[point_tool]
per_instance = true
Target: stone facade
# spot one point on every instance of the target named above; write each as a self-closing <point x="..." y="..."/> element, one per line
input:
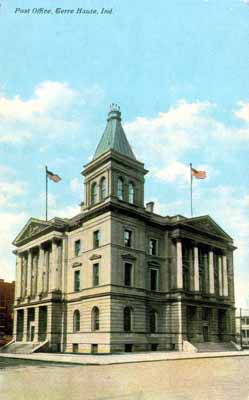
<point x="118" y="277"/>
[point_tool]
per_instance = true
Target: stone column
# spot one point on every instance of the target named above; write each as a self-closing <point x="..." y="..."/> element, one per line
<point x="18" y="283"/>
<point x="206" y="274"/>
<point x="59" y="265"/>
<point x="220" y="276"/>
<point x="14" y="332"/>
<point x="53" y="267"/>
<point x="40" y="270"/>
<point x="25" y="324"/>
<point x="179" y="267"/>
<point x="29" y="267"/>
<point x="211" y="272"/>
<point x="196" y="270"/>
<point x="191" y="269"/>
<point x="225" y="280"/>
<point x="36" y="324"/>
<point x="64" y="264"/>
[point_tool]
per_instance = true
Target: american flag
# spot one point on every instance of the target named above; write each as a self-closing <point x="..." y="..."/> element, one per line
<point x="53" y="177"/>
<point x="198" y="174"/>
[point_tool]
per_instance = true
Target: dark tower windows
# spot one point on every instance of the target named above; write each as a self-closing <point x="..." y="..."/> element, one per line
<point x="120" y="189"/>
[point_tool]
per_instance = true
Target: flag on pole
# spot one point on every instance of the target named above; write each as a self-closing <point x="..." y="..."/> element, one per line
<point x="53" y="177"/>
<point x="198" y="174"/>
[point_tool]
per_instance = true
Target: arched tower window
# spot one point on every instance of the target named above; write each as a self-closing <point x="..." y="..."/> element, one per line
<point x="153" y="321"/>
<point x="94" y="194"/>
<point x="76" y="321"/>
<point x="95" y="319"/>
<point x="127" y="319"/>
<point x="131" y="193"/>
<point x="103" y="190"/>
<point x="120" y="191"/>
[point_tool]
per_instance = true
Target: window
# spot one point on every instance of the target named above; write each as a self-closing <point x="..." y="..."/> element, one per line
<point x="127" y="319"/>
<point x="94" y="194"/>
<point x="96" y="239"/>
<point x="75" y="348"/>
<point x="128" y="274"/>
<point x="120" y="191"/>
<point x="77" y="247"/>
<point x="95" y="319"/>
<point x="76" y="281"/>
<point x="103" y="188"/>
<point x="131" y="193"/>
<point x="95" y="274"/>
<point x="153" y="247"/>
<point x="153" y="321"/>
<point x="76" y="321"/>
<point x="154" y="346"/>
<point x="94" y="348"/>
<point x="205" y="314"/>
<point x="153" y="279"/>
<point x="128" y="347"/>
<point x="127" y="237"/>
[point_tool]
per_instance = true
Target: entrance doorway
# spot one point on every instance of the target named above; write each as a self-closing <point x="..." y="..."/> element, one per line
<point x="205" y="333"/>
<point x="32" y="332"/>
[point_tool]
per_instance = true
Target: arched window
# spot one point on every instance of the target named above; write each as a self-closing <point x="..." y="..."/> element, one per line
<point x="120" y="191"/>
<point x="94" y="193"/>
<point x="153" y="321"/>
<point x="76" y="321"/>
<point x="131" y="193"/>
<point x="103" y="188"/>
<point x="95" y="319"/>
<point x="127" y="319"/>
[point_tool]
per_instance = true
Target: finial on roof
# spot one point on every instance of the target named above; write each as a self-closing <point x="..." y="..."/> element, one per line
<point x="114" y="112"/>
<point x="114" y="107"/>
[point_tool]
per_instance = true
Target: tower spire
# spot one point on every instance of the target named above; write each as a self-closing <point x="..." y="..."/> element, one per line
<point x="114" y="137"/>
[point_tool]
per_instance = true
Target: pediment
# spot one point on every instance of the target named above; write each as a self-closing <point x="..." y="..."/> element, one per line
<point x="31" y="229"/>
<point x="129" y="256"/>
<point x="76" y="264"/>
<point x="95" y="257"/>
<point x="208" y="225"/>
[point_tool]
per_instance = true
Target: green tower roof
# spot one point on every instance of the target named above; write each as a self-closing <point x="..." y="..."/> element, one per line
<point x="114" y="137"/>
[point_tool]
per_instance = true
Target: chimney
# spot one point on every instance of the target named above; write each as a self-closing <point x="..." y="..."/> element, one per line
<point x="150" y="206"/>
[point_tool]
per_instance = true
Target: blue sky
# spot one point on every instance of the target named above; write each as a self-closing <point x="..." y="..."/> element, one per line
<point x="178" y="70"/>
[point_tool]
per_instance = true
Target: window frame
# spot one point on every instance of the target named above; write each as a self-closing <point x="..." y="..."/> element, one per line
<point x="77" y="251"/>
<point x="129" y="328"/>
<point x="95" y="319"/>
<point x="76" y="322"/>
<point x="154" y="240"/>
<point x="78" y="281"/>
<point x="103" y="188"/>
<point x="129" y="239"/>
<point x="94" y="193"/>
<point x="131" y="274"/>
<point x="157" y="279"/>
<point x="131" y="185"/>
<point x="95" y="269"/>
<point x="120" y="190"/>
<point x="96" y="239"/>
<point x="153" y="313"/>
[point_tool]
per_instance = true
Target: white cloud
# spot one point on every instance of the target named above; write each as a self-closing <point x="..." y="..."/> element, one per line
<point x="11" y="224"/>
<point x="53" y="110"/>
<point x="243" y="111"/>
<point x="171" y="133"/>
<point x="174" y="171"/>
<point x="10" y="188"/>
<point x="76" y="185"/>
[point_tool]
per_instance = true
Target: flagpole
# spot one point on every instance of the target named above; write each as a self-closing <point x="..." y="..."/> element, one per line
<point x="191" y="190"/>
<point x="46" y="170"/>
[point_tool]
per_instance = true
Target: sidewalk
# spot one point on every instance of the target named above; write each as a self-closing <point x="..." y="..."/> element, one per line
<point x="109" y="359"/>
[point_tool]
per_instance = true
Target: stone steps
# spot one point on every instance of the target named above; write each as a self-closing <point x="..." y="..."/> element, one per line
<point x="19" y="348"/>
<point x="214" y="346"/>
